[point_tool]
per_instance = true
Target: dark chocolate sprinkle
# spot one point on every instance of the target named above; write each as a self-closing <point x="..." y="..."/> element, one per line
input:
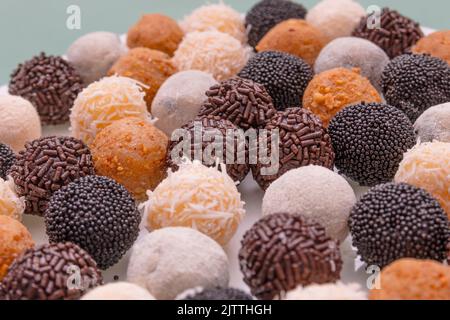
<point x="220" y="294"/>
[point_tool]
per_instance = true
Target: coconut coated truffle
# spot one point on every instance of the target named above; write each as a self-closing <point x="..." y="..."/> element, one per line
<point x="198" y="197"/>
<point x="437" y="44"/>
<point x="266" y="14"/>
<point x="427" y="166"/>
<point x="415" y="82"/>
<point x="283" y="75"/>
<point x="213" y="130"/>
<point x="213" y="52"/>
<point x="171" y="260"/>
<point x="118" y="291"/>
<point x="328" y="291"/>
<point x="50" y="83"/>
<point x="395" y="35"/>
<point x="352" y="52"/>
<point x="434" y="124"/>
<point x="336" y="18"/>
<point x="180" y="98"/>
<point x="245" y="103"/>
<point x="105" y="101"/>
<point x="302" y="140"/>
<point x="219" y="294"/>
<point x="331" y="91"/>
<point x="14" y="239"/>
<point x="11" y="205"/>
<point x="96" y="213"/>
<point x="412" y="279"/>
<point x="132" y="152"/>
<point x="294" y="36"/>
<point x="44" y="273"/>
<point x="7" y="159"/>
<point x="46" y="165"/>
<point x="146" y="66"/>
<point x="369" y="141"/>
<point x="93" y="55"/>
<point x="394" y="221"/>
<point x="282" y="251"/>
<point x="316" y="193"/>
<point x="157" y="32"/>
<point x="216" y="16"/>
<point x="19" y="122"/>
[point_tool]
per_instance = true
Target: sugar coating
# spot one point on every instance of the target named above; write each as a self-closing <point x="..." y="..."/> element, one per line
<point x="212" y="51"/>
<point x="434" y="124"/>
<point x="171" y="260"/>
<point x="102" y="102"/>
<point x="353" y="52"/>
<point x="180" y="98"/>
<point x="118" y="291"/>
<point x="336" y="18"/>
<point x="93" y="54"/>
<point x="11" y="204"/>
<point x="427" y="166"/>
<point x="220" y="17"/>
<point x="19" y="122"/>
<point x="328" y="291"/>
<point x="199" y="197"/>
<point x="313" y="192"/>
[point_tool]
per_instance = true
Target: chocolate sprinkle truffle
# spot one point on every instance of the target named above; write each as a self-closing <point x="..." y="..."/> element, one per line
<point x="219" y="294"/>
<point x="394" y="221"/>
<point x="47" y="164"/>
<point x="50" y="83"/>
<point x="369" y="141"/>
<point x="44" y="273"/>
<point x="266" y="14"/>
<point x="242" y="101"/>
<point x="283" y="75"/>
<point x="282" y="251"/>
<point x="212" y="128"/>
<point x="96" y="213"/>
<point x="7" y="159"/>
<point x="302" y="141"/>
<point x="415" y="82"/>
<point x="396" y="34"/>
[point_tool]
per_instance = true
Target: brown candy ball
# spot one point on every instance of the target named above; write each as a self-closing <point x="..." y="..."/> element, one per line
<point x="302" y="141"/>
<point x="46" y="165"/>
<point x="282" y="251"/>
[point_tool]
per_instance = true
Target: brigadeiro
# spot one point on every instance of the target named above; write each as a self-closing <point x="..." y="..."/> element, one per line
<point x="394" y="221"/>
<point x="282" y="251"/>
<point x="96" y="213"/>
<point x="434" y="124"/>
<point x="211" y="129"/>
<point x="369" y="141"/>
<point x="47" y="164"/>
<point x="7" y="159"/>
<point x="436" y="44"/>
<point x="302" y="141"/>
<point x="266" y="14"/>
<point x="48" y="273"/>
<point x="243" y="102"/>
<point x="50" y="83"/>
<point x="395" y="35"/>
<point x="415" y="82"/>
<point x="283" y="75"/>
<point x="218" y="294"/>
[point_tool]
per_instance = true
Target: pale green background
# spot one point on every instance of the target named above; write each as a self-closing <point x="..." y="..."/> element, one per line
<point x="30" y="26"/>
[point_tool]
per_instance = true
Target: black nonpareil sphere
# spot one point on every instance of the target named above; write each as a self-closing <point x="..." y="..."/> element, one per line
<point x="7" y="159"/>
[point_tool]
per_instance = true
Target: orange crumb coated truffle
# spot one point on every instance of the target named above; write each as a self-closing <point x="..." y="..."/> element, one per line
<point x="413" y="279"/>
<point x="150" y="67"/>
<point x="14" y="239"/>
<point x="132" y="152"/>
<point x="330" y="91"/>
<point x="294" y="36"/>
<point x="155" y="31"/>
<point x="436" y="44"/>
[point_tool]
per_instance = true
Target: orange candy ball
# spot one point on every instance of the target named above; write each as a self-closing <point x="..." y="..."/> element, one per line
<point x="436" y="44"/>
<point x="330" y="91"/>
